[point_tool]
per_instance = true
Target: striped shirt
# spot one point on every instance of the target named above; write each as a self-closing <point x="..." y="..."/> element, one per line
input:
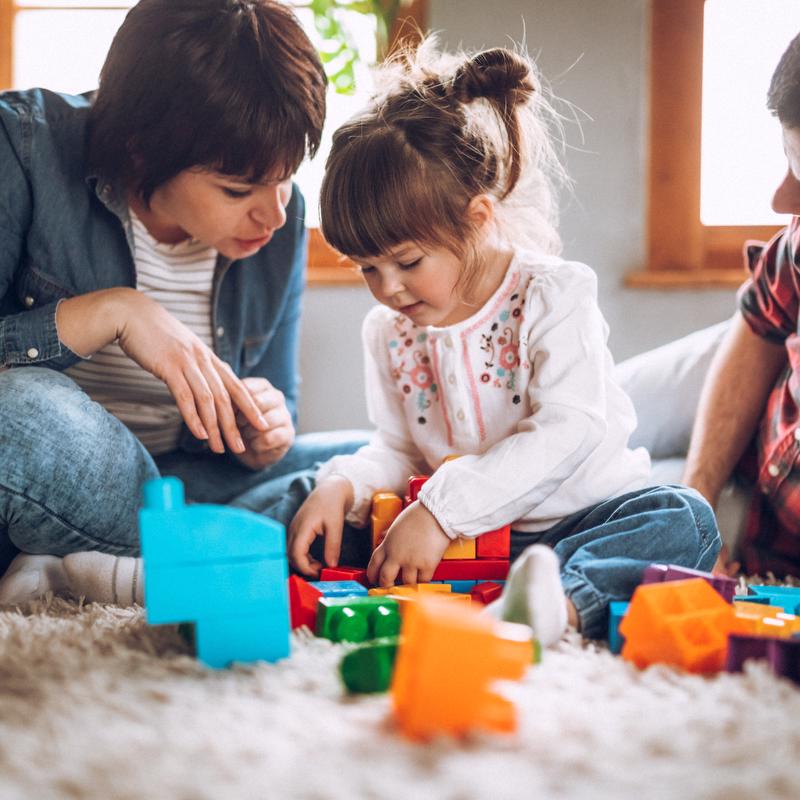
<point x="179" y="277"/>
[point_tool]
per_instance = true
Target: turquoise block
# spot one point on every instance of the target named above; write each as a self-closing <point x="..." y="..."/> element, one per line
<point x="787" y="597"/>
<point x="339" y="588"/>
<point x="462" y="587"/>
<point x="616" y="611"/>
<point x="250" y="637"/>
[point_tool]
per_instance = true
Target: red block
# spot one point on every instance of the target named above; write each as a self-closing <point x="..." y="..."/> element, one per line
<point x="303" y="599"/>
<point x="344" y="574"/>
<point x="468" y="569"/>
<point x="495" y="544"/>
<point x="486" y="592"/>
<point x="414" y="485"/>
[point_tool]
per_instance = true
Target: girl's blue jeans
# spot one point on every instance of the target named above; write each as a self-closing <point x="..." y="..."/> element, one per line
<point x="71" y="477"/>
<point x="71" y="474"/>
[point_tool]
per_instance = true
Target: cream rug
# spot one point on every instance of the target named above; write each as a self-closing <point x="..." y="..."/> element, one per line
<point x="95" y="704"/>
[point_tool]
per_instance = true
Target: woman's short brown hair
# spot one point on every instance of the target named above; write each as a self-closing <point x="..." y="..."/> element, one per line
<point x="230" y="85"/>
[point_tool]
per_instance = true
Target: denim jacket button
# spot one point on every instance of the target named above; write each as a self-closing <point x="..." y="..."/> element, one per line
<point x="220" y="331"/>
<point x="32" y="352"/>
<point x="29" y="301"/>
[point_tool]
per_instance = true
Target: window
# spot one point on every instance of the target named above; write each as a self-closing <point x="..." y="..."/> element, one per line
<point x="62" y="44"/>
<point x="715" y="153"/>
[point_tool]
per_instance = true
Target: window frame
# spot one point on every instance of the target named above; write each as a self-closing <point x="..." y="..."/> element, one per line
<point x="325" y="266"/>
<point x="698" y="255"/>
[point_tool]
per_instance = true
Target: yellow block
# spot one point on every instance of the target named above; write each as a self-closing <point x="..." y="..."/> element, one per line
<point x="460" y="548"/>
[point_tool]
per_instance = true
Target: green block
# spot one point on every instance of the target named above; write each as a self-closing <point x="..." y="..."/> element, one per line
<point x="369" y="667"/>
<point x="357" y="619"/>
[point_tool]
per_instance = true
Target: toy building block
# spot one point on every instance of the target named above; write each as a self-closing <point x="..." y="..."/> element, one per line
<point x="356" y="619"/>
<point x="223" y="569"/>
<point x="448" y="659"/>
<point x="459" y="586"/>
<point x="766" y="620"/>
<point x="750" y="598"/>
<point x="787" y="597"/>
<point x="683" y="623"/>
<point x="303" y="599"/>
<point x="368" y="668"/>
<point x="340" y="588"/>
<point x="494" y="544"/>
<point x="385" y="508"/>
<point x="415" y="483"/>
<point x="617" y="610"/>
<point x="484" y="593"/>
<point x="478" y="569"/>
<point x="659" y="573"/>
<point x="783" y="655"/>
<point x="412" y="589"/>
<point x="344" y="574"/>
<point x="460" y="548"/>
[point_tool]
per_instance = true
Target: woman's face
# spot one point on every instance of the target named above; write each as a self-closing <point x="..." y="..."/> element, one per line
<point x="233" y="216"/>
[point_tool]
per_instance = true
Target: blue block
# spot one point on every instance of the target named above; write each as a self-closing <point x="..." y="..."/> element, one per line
<point x="183" y="593"/>
<point x="339" y="588"/>
<point x="224" y="569"/>
<point x="786" y="597"/>
<point x="462" y="587"/>
<point x="617" y="610"/>
<point x="751" y="598"/>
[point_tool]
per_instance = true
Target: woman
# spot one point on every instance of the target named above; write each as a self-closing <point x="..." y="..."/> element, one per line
<point x="152" y="257"/>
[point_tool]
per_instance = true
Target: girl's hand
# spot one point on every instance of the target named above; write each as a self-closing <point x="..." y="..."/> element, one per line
<point x="265" y="447"/>
<point x="322" y="514"/>
<point x="414" y="546"/>
<point x="205" y="388"/>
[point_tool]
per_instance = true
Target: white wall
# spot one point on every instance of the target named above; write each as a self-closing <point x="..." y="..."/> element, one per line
<point x="594" y="55"/>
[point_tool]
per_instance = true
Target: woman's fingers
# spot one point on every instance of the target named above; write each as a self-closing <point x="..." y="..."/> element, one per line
<point x="206" y="405"/>
<point x="240" y="395"/>
<point x="184" y="399"/>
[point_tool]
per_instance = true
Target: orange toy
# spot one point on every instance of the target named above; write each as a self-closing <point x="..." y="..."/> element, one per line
<point x="385" y="508"/>
<point x="683" y="623"/>
<point x="448" y="658"/>
<point x="764" y="620"/>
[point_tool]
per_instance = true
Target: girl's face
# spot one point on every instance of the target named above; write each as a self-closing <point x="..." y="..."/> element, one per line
<point x="233" y="216"/>
<point x="418" y="283"/>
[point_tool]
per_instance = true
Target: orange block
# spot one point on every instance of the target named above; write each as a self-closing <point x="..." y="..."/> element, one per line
<point x="448" y="658"/>
<point x="683" y="623"/>
<point x="460" y="548"/>
<point x="385" y="508"/>
<point x="762" y="620"/>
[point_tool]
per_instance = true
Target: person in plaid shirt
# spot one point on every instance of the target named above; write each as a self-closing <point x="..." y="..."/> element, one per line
<point x="748" y="420"/>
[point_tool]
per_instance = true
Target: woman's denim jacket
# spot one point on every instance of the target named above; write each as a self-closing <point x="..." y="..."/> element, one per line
<point x="65" y="232"/>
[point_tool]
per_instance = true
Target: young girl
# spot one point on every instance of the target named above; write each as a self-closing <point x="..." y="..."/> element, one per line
<point x="487" y="345"/>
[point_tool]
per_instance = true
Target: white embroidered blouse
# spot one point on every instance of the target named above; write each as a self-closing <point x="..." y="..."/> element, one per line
<point x="522" y="391"/>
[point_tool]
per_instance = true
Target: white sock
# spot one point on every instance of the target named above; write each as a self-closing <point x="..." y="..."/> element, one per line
<point x="29" y="577"/>
<point x="533" y="595"/>
<point x="103" y="578"/>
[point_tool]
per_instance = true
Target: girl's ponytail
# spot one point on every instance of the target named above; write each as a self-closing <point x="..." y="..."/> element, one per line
<point x="504" y="79"/>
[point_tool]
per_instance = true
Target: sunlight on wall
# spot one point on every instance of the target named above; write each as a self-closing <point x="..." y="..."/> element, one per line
<point x="742" y="156"/>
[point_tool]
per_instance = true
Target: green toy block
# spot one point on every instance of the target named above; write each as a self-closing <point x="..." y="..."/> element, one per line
<point x="356" y="619"/>
<point x="369" y="667"/>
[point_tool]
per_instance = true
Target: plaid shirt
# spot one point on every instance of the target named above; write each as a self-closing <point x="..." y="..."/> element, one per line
<point x="770" y="303"/>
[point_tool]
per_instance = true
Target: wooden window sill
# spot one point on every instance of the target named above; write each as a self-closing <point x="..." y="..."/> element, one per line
<point x="686" y="279"/>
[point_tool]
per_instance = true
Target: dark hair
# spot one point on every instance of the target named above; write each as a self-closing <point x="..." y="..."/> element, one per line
<point x="407" y="168"/>
<point x="230" y="85"/>
<point x="783" y="97"/>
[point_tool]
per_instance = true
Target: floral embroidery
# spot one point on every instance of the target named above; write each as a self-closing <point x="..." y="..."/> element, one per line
<point x="411" y="366"/>
<point x="502" y="349"/>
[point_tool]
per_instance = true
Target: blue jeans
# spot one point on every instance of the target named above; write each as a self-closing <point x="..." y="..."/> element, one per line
<point x="71" y="474"/>
<point x="603" y="549"/>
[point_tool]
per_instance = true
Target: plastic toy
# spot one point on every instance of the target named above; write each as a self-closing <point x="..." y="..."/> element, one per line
<point x="783" y="655"/>
<point x="356" y="619"/>
<point x="222" y="568"/>
<point x="385" y="508"/>
<point x="658" y="573"/>
<point x="369" y="667"/>
<point x="339" y="588"/>
<point x="484" y="593"/>
<point x="478" y="569"/>
<point x="617" y="610"/>
<point x="787" y="597"/>
<point x="683" y="623"/>
<point x="448" y="659"/>
<point x="303" y="599"/>
<point x="344" y="574"/>
<point x="494" y="544"/>
<point x="462" y="548"/>
<point x="766" y="620"/>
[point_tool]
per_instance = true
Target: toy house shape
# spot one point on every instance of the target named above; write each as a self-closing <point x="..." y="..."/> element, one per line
<point x="222" y="568"/>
